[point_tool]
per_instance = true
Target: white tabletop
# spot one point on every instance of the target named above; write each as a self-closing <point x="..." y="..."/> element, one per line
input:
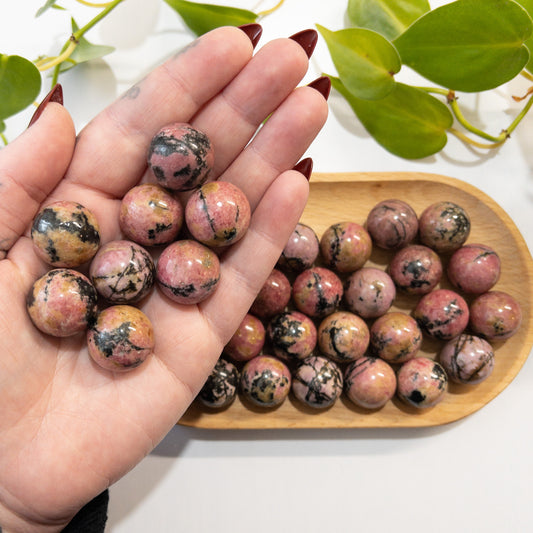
<point x="471" y="475"/>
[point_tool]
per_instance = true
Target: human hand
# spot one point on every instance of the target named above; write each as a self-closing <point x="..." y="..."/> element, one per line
<point x="69" y="429"/>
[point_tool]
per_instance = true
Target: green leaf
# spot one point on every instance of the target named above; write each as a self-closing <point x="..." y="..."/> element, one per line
<point x="84" y="51"/>
<point x="201" y="18"/>
<point x="390" y="18"/>
<point x="365" y="60"/>
<point x="49" y="4"/>
<point x="20" y="84"/>
<point x="528" y="6"/>
<point x="408" y="122"/>
<point x="468" y="45"/>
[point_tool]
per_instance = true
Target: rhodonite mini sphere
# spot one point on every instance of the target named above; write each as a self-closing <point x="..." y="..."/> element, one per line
<point x="474" y="268"/>
<point x="273" y="297"/>
<point x="495" y="315"/>
<point x="442" y="314"/>
<point x="150" y="215"/>
<point x="187" y="272"/>
<point x="343" y="336"/>
<point x="416" y="269"/>
<point x="292" y="335"/>
<point x="301" y="250"/>
<point x="122" y="271"/>
<point x="218" y="214"/>
<point x="392" y="224"/>
<point x="395" y="337"/>
<point x="248" y="339"/>
<point x="369" y="382"/>
<point x="181" y="157"/>
<point x="422" y="382"/>
<point x="467" y="359"/>
<point x="265" y="381"/>
<point x="62" y="302"/>
<point x="346" y="246"/>
<point x="444" y="227"/>
<point x="65" y="234"/>
<point x="121" y="338"/>
<point x="317" y="382"/>
<point x="317" y="292"/>
<point x="369" y="292"/>
<point x="221" y="387"/>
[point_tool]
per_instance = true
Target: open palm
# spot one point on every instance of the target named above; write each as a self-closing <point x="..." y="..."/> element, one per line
<point x="69" y="429"/>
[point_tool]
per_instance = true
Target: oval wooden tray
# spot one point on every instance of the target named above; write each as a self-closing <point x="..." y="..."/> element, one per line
<point x="350" y="196"/>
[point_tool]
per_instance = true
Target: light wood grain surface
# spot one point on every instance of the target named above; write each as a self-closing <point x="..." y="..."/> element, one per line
<point x="340" y="197"/>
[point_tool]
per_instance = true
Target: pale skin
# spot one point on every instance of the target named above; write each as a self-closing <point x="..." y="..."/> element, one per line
<point x="68" y="429"/>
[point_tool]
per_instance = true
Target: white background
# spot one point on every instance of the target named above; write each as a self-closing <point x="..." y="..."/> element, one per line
<point x="473" y="475"/>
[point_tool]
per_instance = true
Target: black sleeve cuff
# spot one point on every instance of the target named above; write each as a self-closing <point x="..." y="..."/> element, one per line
<point x="91" y="518"/>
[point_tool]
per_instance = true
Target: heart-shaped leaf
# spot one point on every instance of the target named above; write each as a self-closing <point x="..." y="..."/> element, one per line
<point x="390" y="18"/>
<point x="201" y="18"/>
<point x="365" y="60"/>
<point x="468" y="45"/>
<point x="408" y="122"/>
<point x="20" y="84"/>
<point x="84" y="51"/>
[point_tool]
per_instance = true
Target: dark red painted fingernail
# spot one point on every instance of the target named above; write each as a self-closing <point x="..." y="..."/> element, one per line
<point x="322" y="85"/>
<point x="307" y="39"/>
<point x="305" y="167"/>
<point x="253" y="31"/>
<point x="55" y="95"/>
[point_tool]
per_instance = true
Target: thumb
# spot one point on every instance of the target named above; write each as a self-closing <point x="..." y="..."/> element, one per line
<point x="30" y="168"/>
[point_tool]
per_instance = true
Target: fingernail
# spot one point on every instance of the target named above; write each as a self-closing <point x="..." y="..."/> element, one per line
<point x="305" y="167"/>
<point x="322" y="85"/>
<point x="253" y="31"/>
<point x="55" y="95"/>
<point x="307" y="39"/>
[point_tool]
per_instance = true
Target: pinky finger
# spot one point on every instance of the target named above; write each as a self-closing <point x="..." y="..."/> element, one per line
<point x="246" y="266"/>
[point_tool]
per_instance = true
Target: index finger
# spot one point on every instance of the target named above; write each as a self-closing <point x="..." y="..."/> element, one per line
<point x="173" y="92"/>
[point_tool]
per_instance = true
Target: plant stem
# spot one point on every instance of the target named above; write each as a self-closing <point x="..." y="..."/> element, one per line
<point x="47" y="63"/>
<point x="495" y="140"/>
<point x="109" y="7"/>
<point x="93" y="4"/>
<point x="4" y="139"/>
<point x="271" y="10"/>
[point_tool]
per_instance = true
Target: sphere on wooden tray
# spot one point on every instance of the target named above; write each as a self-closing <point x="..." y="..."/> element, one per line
<point x="369" y="382"/>
<point x="495" y="315"/>
<point x="369" y="292"/>
<point x="345" y="246"/>
<point x="395" y="337"/>
<point x="343" y="336"/>
<point x="474" y="268"/>
<point x="392" y="224"/>
<point x="65" y="234"/>
<point x="444" y="226"/>
<point x="317" y="292"/>
<point x="150" y="215"/>
<point x="317" y="382"/>
<point x="248" y="339"/>
<point x="422" y="382"/>
<point x="221" y="387"/>
<point x="265" y="381"/>
<point x="467" y="359"/>
<point x="442" y="314"/>
<point x="301" y="250"/>
<point x="218" y="214"/>
<point x="62" y="302"/>
<point x="292" y="335"/>
<point x="122" y="271"/>
<point x="187" y="271"/>
<point x="273" y="297"/>
<point x="121" y="338"/>
<point x="180" y="157"/>
<point x="416" y="269"/>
